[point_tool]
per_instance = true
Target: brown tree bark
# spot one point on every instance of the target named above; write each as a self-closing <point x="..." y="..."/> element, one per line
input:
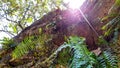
<point x="70" y="22"/>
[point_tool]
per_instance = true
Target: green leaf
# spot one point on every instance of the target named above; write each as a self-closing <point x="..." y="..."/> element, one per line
<point x="105" y="18"/>
<point x="108" y="60"/>
<point x="14" y="29"/>
<point x="30" y="19"/>
<point x="13" y="3"/>
<point x="117" y="2"/>
<point x="40" y="30"/>
<point x="29" y="44"/>
<point x="78" y="54"/>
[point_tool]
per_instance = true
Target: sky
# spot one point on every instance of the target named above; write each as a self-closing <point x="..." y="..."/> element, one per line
<point x="74" y="4"/>
<point x="3" y="34"/>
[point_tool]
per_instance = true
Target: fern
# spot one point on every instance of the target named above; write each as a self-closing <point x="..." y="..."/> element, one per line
<point x="64" y="56"/>
<point x="7" y="43"/>
<point x="107" y="60"/>
<point x="74" y="54"/>
<point x="82" y="58"/>
<point x="23" y="48"/>
<point x="113" y="26"/>
<point x="29" y="43"/>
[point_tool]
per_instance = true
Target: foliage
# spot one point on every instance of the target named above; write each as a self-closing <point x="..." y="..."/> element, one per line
<point x="28" y="44"/>
<point x="113" y="26"/>
<point x="102" y="41"/>
<point x="19" y="14"/>
<point x="73" y="53"/>
<point x="114" y="10"/>
<point x="63" y="57"/>
<point x="7" y="43"/>
<point x="107" y="60"/>
<point x="80" y="57"/>
<point x="23" y="47"/>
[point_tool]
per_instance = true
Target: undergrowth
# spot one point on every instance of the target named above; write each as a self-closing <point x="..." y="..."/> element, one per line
<point x="74" y="54"/>
<point x="28" y="44"/>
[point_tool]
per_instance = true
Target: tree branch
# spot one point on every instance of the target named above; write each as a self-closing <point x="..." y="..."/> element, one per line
<point x="6" y="12"/>
<point x="24" y="14"/>
<point x="7" y="32"/>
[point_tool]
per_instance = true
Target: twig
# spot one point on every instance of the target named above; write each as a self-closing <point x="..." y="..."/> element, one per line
<point x="24" y="14"/>
<point x="8" y="32"/>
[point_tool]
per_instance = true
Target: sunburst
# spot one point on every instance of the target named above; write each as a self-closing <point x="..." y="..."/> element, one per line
<point x="74" y="4"/>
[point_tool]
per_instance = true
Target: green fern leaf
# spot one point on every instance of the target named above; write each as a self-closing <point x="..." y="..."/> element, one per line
<point x="28" y="44"/>
<point x="107" y="60"/>
<point x="78" y="56"/>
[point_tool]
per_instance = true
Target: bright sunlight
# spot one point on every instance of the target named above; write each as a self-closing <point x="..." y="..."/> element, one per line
<point x="74" y="4"/>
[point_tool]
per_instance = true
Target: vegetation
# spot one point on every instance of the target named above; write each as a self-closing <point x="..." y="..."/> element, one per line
<point x="42" y="49"/>
<point x="20" y="14"/>
<point x="78" y="56"/>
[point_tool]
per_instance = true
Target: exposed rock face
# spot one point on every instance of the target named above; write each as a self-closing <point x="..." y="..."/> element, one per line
<point x="70" y="22"/>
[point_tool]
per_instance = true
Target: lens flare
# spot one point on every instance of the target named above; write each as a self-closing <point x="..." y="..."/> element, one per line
<point x="74" y="4"/>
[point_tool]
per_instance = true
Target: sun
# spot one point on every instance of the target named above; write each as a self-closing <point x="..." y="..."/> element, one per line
<point x="74" y="4"/>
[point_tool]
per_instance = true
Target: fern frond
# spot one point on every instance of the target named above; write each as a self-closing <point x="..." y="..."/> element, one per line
<point x="7" y="43"/>
<point x="28" y="44"/>
<point x="77" y="53"/>
<point x="112" y="23"/>
<point x="112" y="27"/>
<point x="114" y="17"/>
<point x="107" y="60"/>
<point x="23" y="48"/>
<point x="53" y="57"/>
<point x="82" y="57"/>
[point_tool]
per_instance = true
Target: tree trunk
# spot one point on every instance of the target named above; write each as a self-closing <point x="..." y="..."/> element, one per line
<point x="70" y="22"/>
